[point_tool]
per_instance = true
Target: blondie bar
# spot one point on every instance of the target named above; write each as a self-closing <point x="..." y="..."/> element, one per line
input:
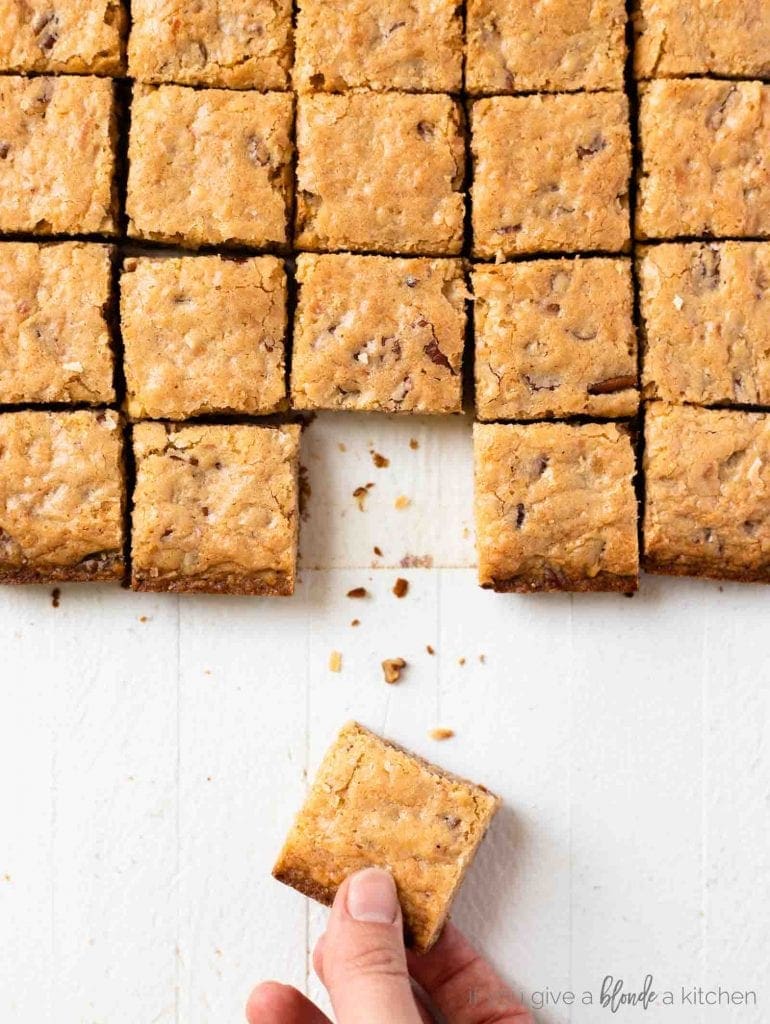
<point x="705" y="164"/>
<point x="235" y="44"/>
<point x="209" y="166"/>
<point x="551" y="174"/>
<point x="555" y="338"/>
<point x="379" y="334"/>
<point x="57" y="155"/>
<point x="373" y="804"/>
<point x="564" y="45"/>
<point x="382" y="173"/>
<point x="215" y="508"/>
<point x="555" y="507"/>
<point x="203" y="334"/>
<point x="62" y="496"/>
<point x="707" y="508"/>
<point x="55" y="333"/>
<point x="73" y="36"/>
<point x="411" y="45"/>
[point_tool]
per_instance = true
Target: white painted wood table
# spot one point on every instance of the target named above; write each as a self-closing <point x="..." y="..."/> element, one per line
<point x="154" y="749"/>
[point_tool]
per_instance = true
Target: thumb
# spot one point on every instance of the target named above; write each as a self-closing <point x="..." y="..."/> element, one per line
<point x="363" y="963"/>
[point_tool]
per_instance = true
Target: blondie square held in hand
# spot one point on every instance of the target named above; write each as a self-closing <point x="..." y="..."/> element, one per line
<point x="707" y="506"/>
<point x="380" y="173"/>
<point x="373" y="804"/>
<point x="215" y="508"/>
<point x="57" y="156"/>
<point x="555" y="338"/>
<point x="61" y="497"/>
<point x="55" y="335"/>
<point x="555" y="507"/>
<point x="75" y="36"/>
<point x="551" y="174"/>
<point x="209" y="166"/>
<point x="379" y="334"/>
<point x="203" y="334"/>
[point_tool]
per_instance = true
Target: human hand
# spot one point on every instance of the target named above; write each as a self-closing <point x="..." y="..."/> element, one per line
<point x="362" y="962"/>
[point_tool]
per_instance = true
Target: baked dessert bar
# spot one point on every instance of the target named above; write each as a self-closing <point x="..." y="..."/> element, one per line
<point x="411" y="45"/>
<point x="555" y="338"/>
<point x="62" y="496"/>
<point x="706" y="322"/>
<point x="707" y="507"/>
<point x="235" y="44"/>
<point x="55" y="333"/>
<point x="373" y="804"/>
<point x="379" y="334"/>
<point x="555" y="507"/>
<point x="565" y="45"/>
<point x="705" y="161"/>
<point x="700" y="37"/>
<point x="203" y="334"/>
<point x="380" y="173"/>
<point x="57" y="155"/>
<point x="551" y="174"/>
<point x="209" y="166"/>
<point x="73" y="36"/>
<point x="215" y="508"/>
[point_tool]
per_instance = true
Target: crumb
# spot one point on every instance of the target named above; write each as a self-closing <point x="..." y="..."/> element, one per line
<point x="629" y="595"/>
<point x="379" y="460"/>
<point x="466" y="533"/>
<point x="400" y="587"/>
<point x="207" y="671"/>
<point x="361" y="494"/>
<point x="209" y="778"/>
<point x="721" y="591"/>
<point x="429" y="649"/>
<point x="414" y="444"/>
<point x="357" y="592"/>
<point x="461" y="661"/>
<point x="143" y="618"/>
<point x="6" y="878"/>
<point x="377" y="551"/>
<point x="392" y="669"/>
<point x="441" y="734"/>
<point x="417" y="562"/>
<point x="335" y="661"/>
<point x="402" y="502"/>
<point x="355" y="622"/>
<point x="483" y="659"/>
<point x="55" y="597"/>
<point x="342" y="447"/>
<point x="304" y="493"/>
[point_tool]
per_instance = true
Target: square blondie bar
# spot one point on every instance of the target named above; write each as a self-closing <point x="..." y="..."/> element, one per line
<point x="62" y="496"/>
<point x="411" y="45"/>
<point x="551" y="174"/>
<point x="373" y="804"/>
<point x="379" y="334"/>
<point x="705" y="159"/>
<point x="55" y="330"/>
<point x="215" y="508"/>
<point x="209" y="166"/>
<point x="71" y="36"/>
<point x="234" y="44"/>
<point x="707" y="483"/>
<point x="706" y="322"/>
<point x="57" y="155"/>
<point x="555" y="507"/>
<point x="203" y="334"/>
<point x="380" y="173"/>
<point x="555" y="338"/>
<point x="561" y="46"/>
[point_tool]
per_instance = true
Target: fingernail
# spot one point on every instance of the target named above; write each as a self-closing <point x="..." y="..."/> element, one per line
<point x="372" y="897"/>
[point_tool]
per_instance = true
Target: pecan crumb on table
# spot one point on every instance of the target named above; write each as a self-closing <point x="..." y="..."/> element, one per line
<point x="441" y="734"/>
<point x="401" y="587"/>
<point x="392" y="669"/>
<point x="357" y="592"/>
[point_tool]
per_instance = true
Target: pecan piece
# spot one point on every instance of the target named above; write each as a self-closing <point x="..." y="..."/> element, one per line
<point x="392" y="669"/>
<point x="611" y="385"/>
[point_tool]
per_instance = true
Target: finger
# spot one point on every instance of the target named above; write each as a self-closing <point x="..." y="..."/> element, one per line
<point x="271" y="1003"/>
<point x="463" y="986"/>
<point x="363" y="959"/>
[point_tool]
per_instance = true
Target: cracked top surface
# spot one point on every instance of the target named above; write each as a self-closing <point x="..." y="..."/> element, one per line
<point x="55" y="343"/>
<point x="380" y="173"/>
<point x="707" y="508"/>
<point x="705" y="166"/>
<point x="555" y="507"/>
<point x="555" y="338"/>
<point x="208" y="165"/>
<point x="551" y="174"/>
<point x="57" y="160"/>
<point x="373" y="804"/>
<point x="237" y="44"/>
<point x="549" y="46"/>
<point x="698" y="37"/>
<point x="61" y="490"/>
<point x="76" y="36"/>
<point x="706" y="310"/>
<point x="379" y="334"/>
<point x="203" y="334"/>
<point x="215" y="508"/>
<point x="414" y="45"/>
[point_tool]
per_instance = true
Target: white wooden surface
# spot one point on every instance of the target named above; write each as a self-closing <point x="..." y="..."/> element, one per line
<point x="149" y="769"/>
